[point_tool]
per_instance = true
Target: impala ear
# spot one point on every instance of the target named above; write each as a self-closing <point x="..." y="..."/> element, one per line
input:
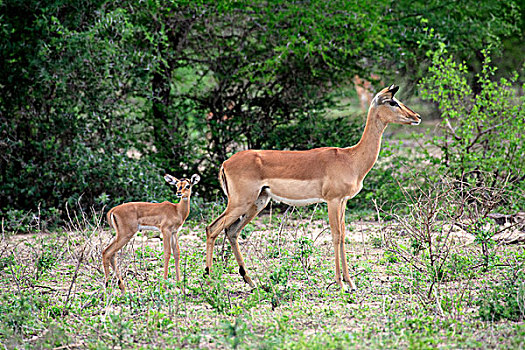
<point x="171" y="179"/>
<point x="393" y="89"/>
<point x="195" y="179"/>
<point x="385" y="95"/>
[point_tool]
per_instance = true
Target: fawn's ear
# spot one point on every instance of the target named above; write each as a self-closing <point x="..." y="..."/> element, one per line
<point x="195" y="179"/>
<point x="171" y="179"/>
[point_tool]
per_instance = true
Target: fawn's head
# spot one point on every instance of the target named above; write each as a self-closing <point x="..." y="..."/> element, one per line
<point x="183" y="186"/>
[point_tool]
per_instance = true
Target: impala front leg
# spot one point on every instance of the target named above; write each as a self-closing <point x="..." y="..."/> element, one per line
<point x="334" y="218"/>
<point x="176" y="252"/>
<point x="342" y="251"/>
<point x="166" y="239"/>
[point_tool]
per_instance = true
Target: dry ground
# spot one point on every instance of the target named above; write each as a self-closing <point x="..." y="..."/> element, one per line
<point x="53" y="294"/>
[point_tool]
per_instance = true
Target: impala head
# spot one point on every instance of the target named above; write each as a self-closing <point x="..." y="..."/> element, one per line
<point x="183" y="185"/>
<point x="391" y="110"/>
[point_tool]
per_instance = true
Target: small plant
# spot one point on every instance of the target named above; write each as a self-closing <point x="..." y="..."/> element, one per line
<point x="215" y="294"/>
<point x="281" y="274"/>
<point x="7" y="261"/>
<point x="18" y="221"/>
<point x="120" y="330"/>
<point x="47" y="253"/>
<point x="235" y="333"/>
<point x="306" y="249"/>
<point x="483" y="230"/>
<point x="17" y="313"/>
<point x="504" y="300"/>
<point x="390" y="257"/>
<point x="44" y="262"/>
<point x="429" y="242"/>
<point x="376" y="241"/>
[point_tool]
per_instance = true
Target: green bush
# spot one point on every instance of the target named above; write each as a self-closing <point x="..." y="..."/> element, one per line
<point x="314" y="129"/>
<point x="482" y="131"/>
<point x="395" y="166"/>
<point x="81" y="178"/>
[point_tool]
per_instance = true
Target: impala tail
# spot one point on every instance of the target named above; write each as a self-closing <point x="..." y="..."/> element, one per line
<point x="111" y="219"/>
<point x="223" y="181"/>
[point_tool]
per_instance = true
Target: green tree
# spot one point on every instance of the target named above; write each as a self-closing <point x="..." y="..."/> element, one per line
<point x="186" y="83"/>
<point x="69" y="90"/>
<point x="466" y="28"/>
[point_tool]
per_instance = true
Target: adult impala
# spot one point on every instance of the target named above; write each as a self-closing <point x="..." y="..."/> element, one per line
<point x="328" y="174"/>
<point x="128" y="218"/>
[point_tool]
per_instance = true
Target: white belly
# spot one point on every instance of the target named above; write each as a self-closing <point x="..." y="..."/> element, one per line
<point x="294" y="192"/>
<point x="295" y="202"/>
<point x="149" y="228"/>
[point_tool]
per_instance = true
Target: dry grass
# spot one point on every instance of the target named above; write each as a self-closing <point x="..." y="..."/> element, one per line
<point x="53" y="294"/>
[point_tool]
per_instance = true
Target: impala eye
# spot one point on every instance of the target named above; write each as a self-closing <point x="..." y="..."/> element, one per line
<point x="393" y="103"/>
<point x="187" y="187"/>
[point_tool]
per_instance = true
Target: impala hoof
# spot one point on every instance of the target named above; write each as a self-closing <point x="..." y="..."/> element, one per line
<point x="245" y="277"/>
<point x="252" y="285"/>
<point x="122" y="286"/>
<point x="348" y="287"/>
<point x="349" y="290"/>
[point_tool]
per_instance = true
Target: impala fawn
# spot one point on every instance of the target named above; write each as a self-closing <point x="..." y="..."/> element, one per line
<point x="129" y="218"/>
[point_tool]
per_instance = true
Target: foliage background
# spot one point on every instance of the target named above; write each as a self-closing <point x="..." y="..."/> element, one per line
<point x="98" y="98"/>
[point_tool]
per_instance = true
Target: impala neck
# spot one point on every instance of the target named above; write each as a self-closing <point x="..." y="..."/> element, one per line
<point x="368" y="147"/>
<point x="184" y="206"/>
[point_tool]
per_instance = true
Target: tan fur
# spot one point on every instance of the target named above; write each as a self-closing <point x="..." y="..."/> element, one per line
<point x="128" y="218"/>
<point x="328" y="174"/>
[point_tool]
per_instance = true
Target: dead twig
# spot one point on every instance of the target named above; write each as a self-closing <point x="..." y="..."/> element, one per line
<point x="75" y="275"/>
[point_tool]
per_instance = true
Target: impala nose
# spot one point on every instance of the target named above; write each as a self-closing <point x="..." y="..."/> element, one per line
<point x="418" y="121"/>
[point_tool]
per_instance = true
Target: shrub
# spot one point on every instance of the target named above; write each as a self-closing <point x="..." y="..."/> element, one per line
<point x="481" y="143"/>
<point x="314" y="129"/>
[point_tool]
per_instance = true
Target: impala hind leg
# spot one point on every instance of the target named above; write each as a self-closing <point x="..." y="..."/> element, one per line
<point x="226" y="219"/>
<point x="334" y="218"/>
<point x="233" y="231"/>
<point x="106" y="261"/>
<point x="109" y="257"/>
